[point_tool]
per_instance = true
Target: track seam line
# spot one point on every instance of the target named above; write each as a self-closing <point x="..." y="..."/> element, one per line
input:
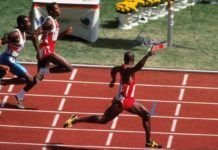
<point x="109" y="98"/>
<point x="106" y="130"/>
<point x="121" y="115"/>
<point x="177" y="111"/>
<point x="60" y="108"/>
<point x="138" y="84"/>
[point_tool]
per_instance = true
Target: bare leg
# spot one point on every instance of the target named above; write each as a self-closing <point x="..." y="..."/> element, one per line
<point x="114" y="110"/>
<point x="141" y="111"/>
<point x="61" y="64"/>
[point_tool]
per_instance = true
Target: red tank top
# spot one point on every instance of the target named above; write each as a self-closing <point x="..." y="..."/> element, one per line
<point x="127" y="89"/>
<point x="49" y="38"/>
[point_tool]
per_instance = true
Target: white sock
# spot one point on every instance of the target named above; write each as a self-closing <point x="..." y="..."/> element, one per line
<point x="21" y="94"/>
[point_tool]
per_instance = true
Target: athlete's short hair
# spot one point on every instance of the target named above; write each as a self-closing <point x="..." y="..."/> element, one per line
<point x="21" y="19"/>
<point x="50" y="6"/>
<point x="128" y="56"/>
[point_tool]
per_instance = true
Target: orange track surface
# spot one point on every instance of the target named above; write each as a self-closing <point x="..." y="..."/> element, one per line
<point x="186" y="112"/>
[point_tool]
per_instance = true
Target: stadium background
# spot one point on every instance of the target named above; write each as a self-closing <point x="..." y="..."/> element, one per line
<point x="194" y="35"/>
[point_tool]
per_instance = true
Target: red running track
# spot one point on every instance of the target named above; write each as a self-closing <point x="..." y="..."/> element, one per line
<point x="186" y="112"/>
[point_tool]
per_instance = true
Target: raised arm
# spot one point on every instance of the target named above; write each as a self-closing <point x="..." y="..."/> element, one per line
<point x="141" y="63"/>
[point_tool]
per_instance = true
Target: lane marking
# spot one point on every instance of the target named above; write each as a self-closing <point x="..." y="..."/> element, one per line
<point x="110" y="136"/>
<point x="5" y="99"/>
<point x="10" y="89"/>
<point x="54" y="123"/>
<point x="185" y="79"/>
<point x="181" y="94"/>
<point x="73" y="75"/>
<point x="109" y="139"/>
<point x="114" y="123"/>
<point x="173" y="128"/>
<point x="113" y="131"/>
<point x="121" y="115"/>
<point x="169" y="141"/>
<point x="177" y="111"/>
<point x="67" y="90"/>
<point x="147" y="85"/>
<point x="60" y="107"/>
<point x="109" y="98"/>
<point x="50" y="133"/>
<point x="178" y="107"/>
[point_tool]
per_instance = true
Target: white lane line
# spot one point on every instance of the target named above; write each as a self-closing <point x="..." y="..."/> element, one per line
<point x="10" y="89"/>
<point x="185" y="79"/>
<point x="50" y="133"/>
<point x="109" y="98"/>
<point x="109" y="139"/>
<point x="177" y="111"/>
<point x="110" y="136"/>
<point x="73" y="75"/>
<point x="4" y="101"/>
<point x="143" y="85"/>
<point x="169" y="142"/>
<point x="173" y="128"/>
<point x="114" y="123"/>
<point x="54" y="123"/>
<point x="178" y="107"/>
<point x="181" y="94"/>
<point x="114" y="131"/>
<point x="67" y="90"/>
<point x="60" y="107"/>
<point x="121" y="115"/>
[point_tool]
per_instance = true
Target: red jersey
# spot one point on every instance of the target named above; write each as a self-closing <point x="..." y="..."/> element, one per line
<point x="49" y="38"/>
<point x="126" y="88"/>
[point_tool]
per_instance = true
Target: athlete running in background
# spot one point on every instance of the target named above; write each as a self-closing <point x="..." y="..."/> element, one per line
<point x="50" y="33"/>
<point x="124" y="100"/>
<point x="15" y="41"/>
<point x="46" y="52"/>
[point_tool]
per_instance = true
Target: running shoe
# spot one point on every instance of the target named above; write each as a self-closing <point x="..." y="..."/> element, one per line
<point x="19" y="102"/>
<point x="153" y="144"/>
<point x="71" y="121"/>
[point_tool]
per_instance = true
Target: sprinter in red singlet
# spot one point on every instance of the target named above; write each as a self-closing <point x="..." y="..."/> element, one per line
<point x="124" y="100"/>
<point x="46" y="54"/>
<point x="50" y="33"/>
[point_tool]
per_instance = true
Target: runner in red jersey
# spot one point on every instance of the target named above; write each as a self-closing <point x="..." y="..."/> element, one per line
<point x="124" y="100"/>
<point x="50" y="33"/>
<point x="46" y="54"/>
